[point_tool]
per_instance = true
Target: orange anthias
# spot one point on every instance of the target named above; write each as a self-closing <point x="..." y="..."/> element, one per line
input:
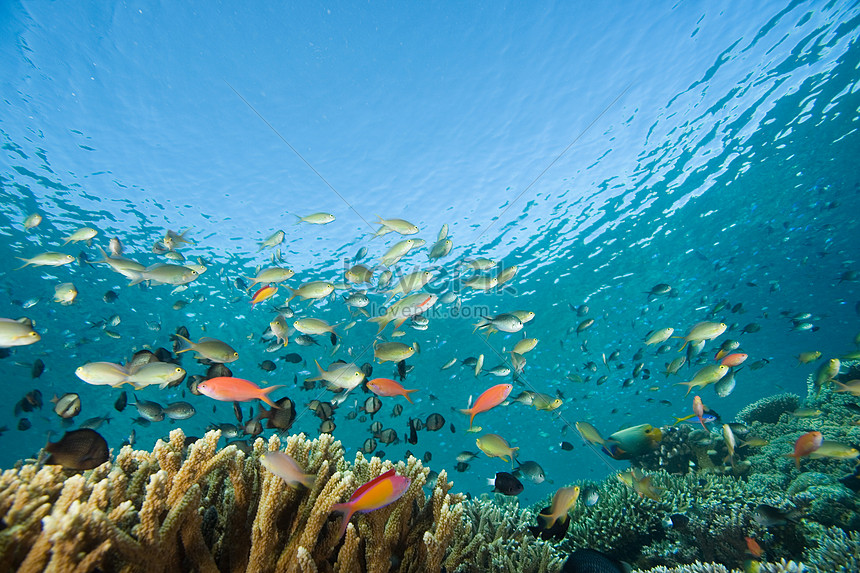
<point x="805" y="445"/>
<point x="699" y="411"/>
<point x="264" y="293"/>
<point x="489" y="399"/>
<point x="235" y="390"/>
<point x="386" y="387"/>
<point x="375" y="494"/>
<point x="735" y="359"/>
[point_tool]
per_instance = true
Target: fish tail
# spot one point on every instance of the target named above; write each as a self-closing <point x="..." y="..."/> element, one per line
<point x="683" y="345"/>
<point x="26" y="263"/>
<point x="136" y="278"/>
<point x="347" y="510"/>
<point x="263" y="395"/>
<point x="184" y="344"/>
<point x="406" y="395"/>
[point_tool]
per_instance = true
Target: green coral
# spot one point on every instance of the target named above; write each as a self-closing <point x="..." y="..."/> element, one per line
<point x="837" y="551"/>
<point x="769" y="408"/>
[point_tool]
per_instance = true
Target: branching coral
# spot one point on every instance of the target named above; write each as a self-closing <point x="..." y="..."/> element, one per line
<point x="215" y="510"/>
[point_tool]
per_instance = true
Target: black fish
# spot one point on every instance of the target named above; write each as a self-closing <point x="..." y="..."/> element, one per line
<point x="292" y="358"/>
<point x="401" y="370"/>
<point x="333" y="338"/>
<point x="110" y="296"/>
<point x="268" y="365"/>
<point x="237" y="411"/>
<point x="566" y="446"/>
<point x="282" y="418"/>
<point x="770" y="516"/>
<point x="591" y="561"/>
<point x="78" y="450"/>
<point x="218" y="371"/>
<point x="413" y="435"/>
<point x="434" y="422"/>
<point x="37" y="369"/>
<point x="367" y="369"/>
<point x="461" y="466"/>
<point x="506" y="484"/>
<point x="121" y="402"/>
<point x="24" y="424"/>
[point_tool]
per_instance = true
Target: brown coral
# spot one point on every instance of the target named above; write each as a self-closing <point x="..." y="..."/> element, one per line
<point x="211" y="510"/>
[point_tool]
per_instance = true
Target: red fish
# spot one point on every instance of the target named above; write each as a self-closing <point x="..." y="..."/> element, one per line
<point x="753" y="548"/>
<point x="805" y="445"/>
<point x="489" y="399"/>
<point x="386" y="387"/>
<point x="699" y="410"/>
<point x="229" y="389"/>
<point x="264" y="293"/>
<point x="735" y="359"/>
<point x="375" y="494"/>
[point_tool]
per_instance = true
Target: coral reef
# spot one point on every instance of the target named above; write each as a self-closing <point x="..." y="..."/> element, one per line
<point x="769" y="409"/>
<point x="210" y="510"/>
<point x="781" y="566"/>
<point x="837" y="551"/>
<point x="496" y="539"/>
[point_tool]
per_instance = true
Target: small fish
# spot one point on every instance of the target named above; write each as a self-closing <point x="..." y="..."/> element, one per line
<point x="32" y="221"/>
<point x="264" y="293"/>
<point x="835" y="450"/>
<point x="703" y="331"/>
<point x="496" y="446"/>
<point x="68" y="405"/>
<point x="506" y="484"/>
<point x="286" y="468"/>
<point x="179" y="411"/>
<point x="272" y="240"/>
<point x="805" y="445"/>
<point x="807" y="357"/>
<point x="209" y="348"/>
<point x="386" y="387"/>
<point x="488" y="399"/>
<point x="531" y="470"/>
<point x="563" y="501"/>
<point x="375" y="494"/>
<point x="806" y="413"/>
<point x="316" y="219"/>
<point x="640" y="483"/>
<point x="235" y="390"/>
<point x="78" y="450"/>
<point x="769" y="516"/>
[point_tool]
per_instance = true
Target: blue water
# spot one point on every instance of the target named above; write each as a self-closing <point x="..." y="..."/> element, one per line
<point x="602" y="148"/>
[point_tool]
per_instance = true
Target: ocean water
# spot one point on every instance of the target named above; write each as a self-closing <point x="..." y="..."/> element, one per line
<point x="602" y="148"/>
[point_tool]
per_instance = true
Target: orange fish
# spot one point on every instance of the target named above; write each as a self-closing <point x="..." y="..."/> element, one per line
<point x="229" y="389"/>
<point x="699" y="410"/>
<point x="489" y="399"/>
<point x="375" y="494"/>
<point x="735" y="359"/>
<point x="264" y="293"/>
<point x="386" y="387"/>
<point x="753" y="548"/>
<point x="805" y="445"/>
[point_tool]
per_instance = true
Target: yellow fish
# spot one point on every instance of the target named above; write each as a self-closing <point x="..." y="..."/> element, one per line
<point x="496" y="446"/>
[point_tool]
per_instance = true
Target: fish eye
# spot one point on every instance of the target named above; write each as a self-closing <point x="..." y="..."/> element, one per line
<point x="235" y="354"/>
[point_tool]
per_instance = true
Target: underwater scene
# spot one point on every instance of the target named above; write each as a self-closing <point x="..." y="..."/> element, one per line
<point x="414" y="287"/>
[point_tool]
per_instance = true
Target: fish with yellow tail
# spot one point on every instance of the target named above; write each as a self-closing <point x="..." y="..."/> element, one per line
<point x="826" y="373"/>
<point x="496" y="446"/>
<point x="375" y="494"/>
<point x="553" y="521"/>
<point x="709" y="374"/>
<point x="703" y="331"/>
<point x="640" y="483"/>
<point x="405" y="308"/>
<point x="630" y="442"/>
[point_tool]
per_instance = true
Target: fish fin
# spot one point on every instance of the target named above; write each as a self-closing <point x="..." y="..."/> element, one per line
<point x="135" y="277"/>
<point x="406" y="395"/>
<point x="347" y="510"/>
<point x="27" y="263"/>
<point x="263" y="395"/>
<point x="185" y="344"/>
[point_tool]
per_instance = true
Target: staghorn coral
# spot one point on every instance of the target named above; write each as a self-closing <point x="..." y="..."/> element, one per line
<point x="837" y="551"/>
<point x="495" y="538"/>
<point x="212" y="510"/>
<point x="781" y="566"/>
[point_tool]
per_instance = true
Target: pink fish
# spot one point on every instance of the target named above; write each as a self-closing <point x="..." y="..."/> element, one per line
<point x="375" y="494"/>
<point x="235" y="390"/>
<point x="489" y="399"/>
